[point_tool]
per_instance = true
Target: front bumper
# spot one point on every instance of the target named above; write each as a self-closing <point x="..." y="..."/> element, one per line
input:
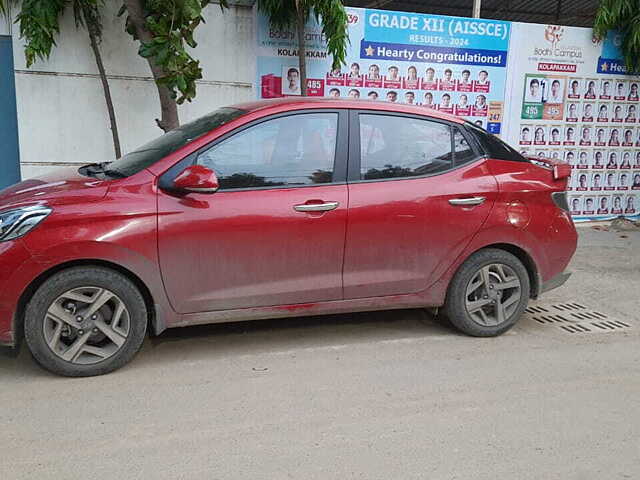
<point x="555" y="282"/>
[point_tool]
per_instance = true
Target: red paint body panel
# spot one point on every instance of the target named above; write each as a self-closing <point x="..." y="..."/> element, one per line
<point x="246" y="254"/>
<point x="240" y="249"/>
<point x="402" y="232"/>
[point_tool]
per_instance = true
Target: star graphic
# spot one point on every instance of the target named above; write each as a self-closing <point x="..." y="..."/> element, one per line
<point x="604" y="66"/>
<point x="369" y="51"/>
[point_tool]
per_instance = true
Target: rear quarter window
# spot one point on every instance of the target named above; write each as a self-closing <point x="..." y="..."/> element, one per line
<point x="494" y="147"/>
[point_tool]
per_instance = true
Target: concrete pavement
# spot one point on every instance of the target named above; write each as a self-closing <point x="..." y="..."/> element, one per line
<point x="375" y="396"/>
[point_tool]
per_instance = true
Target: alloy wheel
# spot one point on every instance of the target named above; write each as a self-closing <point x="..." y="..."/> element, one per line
<point x="86" y="325"/>
<point x="493" y="294"/>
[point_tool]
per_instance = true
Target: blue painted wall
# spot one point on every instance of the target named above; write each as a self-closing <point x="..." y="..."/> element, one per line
<point x="9" y="152"/>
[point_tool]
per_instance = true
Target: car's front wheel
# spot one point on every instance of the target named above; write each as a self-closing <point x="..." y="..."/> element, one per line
<point x="85" y="321"/>
<point x="488" y="293"/>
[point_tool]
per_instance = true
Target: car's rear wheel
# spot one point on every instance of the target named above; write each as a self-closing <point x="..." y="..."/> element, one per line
<point x="488" y="294"/>
<point x="85" y="321"/>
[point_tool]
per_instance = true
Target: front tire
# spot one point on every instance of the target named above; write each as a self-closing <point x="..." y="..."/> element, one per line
<point x="85" y="321"/>
<point x="488" y="293"/>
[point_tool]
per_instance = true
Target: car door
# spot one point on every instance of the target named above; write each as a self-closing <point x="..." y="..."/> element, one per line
<point x="418" y="192"/>
<point x="273" y="234"/>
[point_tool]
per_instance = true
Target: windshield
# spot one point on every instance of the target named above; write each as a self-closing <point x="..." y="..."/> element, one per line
<point x="150" y="153"/>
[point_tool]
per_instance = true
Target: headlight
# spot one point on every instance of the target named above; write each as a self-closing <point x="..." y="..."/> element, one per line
<point x="18" y="222"/>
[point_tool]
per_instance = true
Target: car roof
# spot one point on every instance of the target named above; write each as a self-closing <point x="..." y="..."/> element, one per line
<point x="297" y="103"/>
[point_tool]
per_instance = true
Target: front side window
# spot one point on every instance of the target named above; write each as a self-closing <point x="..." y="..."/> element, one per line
<point x="394" y="146"/>
<point x="294" y="150"/>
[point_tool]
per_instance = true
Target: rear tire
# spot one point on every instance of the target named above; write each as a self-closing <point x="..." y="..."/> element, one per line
<point x="488" y="293"/>
<point x="85" y="321"/>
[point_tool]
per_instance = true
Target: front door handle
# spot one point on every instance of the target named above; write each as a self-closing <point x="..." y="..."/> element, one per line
<point x="467" y="201"/>
<point x="316" y="207"/>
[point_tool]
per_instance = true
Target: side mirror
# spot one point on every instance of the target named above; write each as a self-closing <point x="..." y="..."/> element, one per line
<point x="197" y="179"/>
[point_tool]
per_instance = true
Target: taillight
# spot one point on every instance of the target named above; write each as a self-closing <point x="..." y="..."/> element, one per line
<point x="560" y="199"/>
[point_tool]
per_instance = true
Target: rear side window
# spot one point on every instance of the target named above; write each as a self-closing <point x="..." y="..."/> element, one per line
<point x="463" y="151"/>
<point x="493" y="146"/>
<point x="394" y="146"/>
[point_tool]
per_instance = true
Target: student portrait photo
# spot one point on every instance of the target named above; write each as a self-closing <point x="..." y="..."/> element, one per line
<point x="570" y="158"/>
<point x="465" y="84"/>
<point x="525" y="135"/>
<point x="410" y="98"/>
<point x="583" y="180"/>
<point x="636" y="181"/>
<point x="617" y="204"/>
<point x="392" y="96"/>
<point x="555" y="93"/>
<point x="372" y="95"/>
<point x="625" y="163"/>
<point x="636" y="162"/>
<point x="447" y="83"/>
<point x="588" y="205"/>
<point x="429" y="81"/>
<point x="631" y="116"/>
<point x="480" y="106"/>
<point x="291" y="81"/>
<point x="574" y="89"/>
<point x="617" y="114"/>
<point x="623" y="183"/>
<point x="335" y="78"/>
<point x="354" y="71"/>
<point x="603" y="206"/>
<point x="583" y="159"/>
<point x="354" y="93"/>
<point x="374" y="72"/>
<point x="603" y="112"/>
<point x="596" y="181"/>
<point x="605" y="89"/>
<point x="613" y="160"/>
<point x="462" y="107"/>
<point x="334" y="93"/>
<point x="392" y="79"/>
<point x="445" y="103"/>
<point x="601" y="137"/>
<point x="590" y="91"/>
<point x="354" y="78"/>
<point x="614" y="138"/>
<point x="575" y="204"/>
<point x="585" y="136"/>
<point x="534" y="94"/>
<point x="587" y="112"/>
<point x="633" y="92"/>
<point x="569" y="135"/>
<point x="610" y="181"/>
<point x="482" y="84"/>
<point x="554" y="138"/>
<point x="598" y="159"/>
<point x="627" y="139"/>
<point x="630" y="206"/>
<point x="620" y="92"/>
<point x="479" y="123"/>
<point x="539" y="136"/>
<point x="411" y="81"/>
<point x="428" y="100"/>
<point x="572" y="112"/>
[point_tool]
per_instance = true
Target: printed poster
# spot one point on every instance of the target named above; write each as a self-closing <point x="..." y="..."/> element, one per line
<point x="452" y="64"/>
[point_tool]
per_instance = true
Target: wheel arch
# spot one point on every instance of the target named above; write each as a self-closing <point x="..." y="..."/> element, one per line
<point x="152" y="307"/>
<point x="525" y="258"/>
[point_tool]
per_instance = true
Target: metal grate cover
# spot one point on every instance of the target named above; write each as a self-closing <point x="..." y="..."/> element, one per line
<point x="573" y="317"/>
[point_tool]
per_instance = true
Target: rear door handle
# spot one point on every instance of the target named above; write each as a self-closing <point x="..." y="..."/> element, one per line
<point x="467" y="201"/>
<point x="316" y="207"/>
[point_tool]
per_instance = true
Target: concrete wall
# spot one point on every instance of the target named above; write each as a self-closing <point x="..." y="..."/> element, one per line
<point x="61" y="110"/>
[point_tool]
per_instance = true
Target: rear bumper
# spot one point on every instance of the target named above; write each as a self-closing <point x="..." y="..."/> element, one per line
<point x="555" y="282"/>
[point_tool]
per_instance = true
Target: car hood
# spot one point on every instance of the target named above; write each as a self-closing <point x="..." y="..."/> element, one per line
<point x="60" y="187"/>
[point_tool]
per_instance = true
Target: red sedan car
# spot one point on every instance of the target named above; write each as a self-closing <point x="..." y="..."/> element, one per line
<point x="277" y="209"/>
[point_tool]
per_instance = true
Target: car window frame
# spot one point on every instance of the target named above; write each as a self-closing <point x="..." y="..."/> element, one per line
<point x="353" y="173"/>
<point x="340" y="161"/>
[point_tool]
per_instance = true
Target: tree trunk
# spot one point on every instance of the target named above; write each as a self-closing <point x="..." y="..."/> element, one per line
<point x="168" y="105"/>
<point x="107" y="91"/>
<point x="302" y="51"/>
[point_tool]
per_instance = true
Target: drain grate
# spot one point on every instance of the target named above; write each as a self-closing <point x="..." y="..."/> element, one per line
<point x="573" y="317"/>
